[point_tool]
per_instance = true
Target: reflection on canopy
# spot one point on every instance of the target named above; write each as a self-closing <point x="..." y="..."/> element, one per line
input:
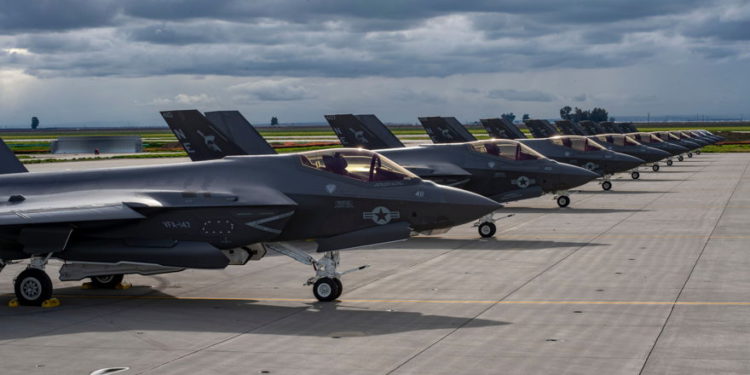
<point x="362" y="165"/>
<point x="618" y="139"/>
<point x="577" y="142"/>
<point x="505" y="148"/>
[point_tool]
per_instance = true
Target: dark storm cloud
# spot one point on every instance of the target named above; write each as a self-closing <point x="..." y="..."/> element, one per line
<point x="328" y="38"/>
<point x="55" y="15"/>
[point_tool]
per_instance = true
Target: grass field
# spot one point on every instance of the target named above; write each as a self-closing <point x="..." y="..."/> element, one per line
<point x="162" y="143"/>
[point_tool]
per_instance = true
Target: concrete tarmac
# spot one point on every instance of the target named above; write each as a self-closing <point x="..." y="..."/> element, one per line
<point x="649" y="278"/>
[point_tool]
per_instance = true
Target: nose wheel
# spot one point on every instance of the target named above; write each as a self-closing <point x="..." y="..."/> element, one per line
<point x="655" y="167"/>
<point x="669" y="162"/>
<point x="680" y="158"/>
<point x="327" y="289"/>
<point x="606" y="185"/>
<point x="690" y="154"/>
<point x="563" y="201"/>
<point x="635" y="175"/>
<point x="487" y="229"/>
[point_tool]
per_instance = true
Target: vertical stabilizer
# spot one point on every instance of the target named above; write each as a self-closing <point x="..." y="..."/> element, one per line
<point x="501" y="128"/>
<point x="239" y="131"/>
<point x="365" y="131"/>
<point x="570" y="128"/>
<point x="592" y="127"/>
<point x="541" y="128"/>
<point x="198" y="136"/>
<point x="9" y="163"/>
<point x="446" y="130"/>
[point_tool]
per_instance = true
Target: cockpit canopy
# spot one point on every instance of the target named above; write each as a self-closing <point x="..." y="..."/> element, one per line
<point x="667" y="136"/>
<point x="646" y="137"/>
<point x="617" y="139"/>
<point x="505" y="148"/>
<point x="362" y="165"/>
<point x="577" y="142"/>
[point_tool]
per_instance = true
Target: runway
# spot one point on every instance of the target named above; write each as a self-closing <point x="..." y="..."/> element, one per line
<point x="649" y="278"/>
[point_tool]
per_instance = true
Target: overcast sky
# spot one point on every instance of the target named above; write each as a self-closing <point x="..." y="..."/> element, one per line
<point x="70" y="61"/>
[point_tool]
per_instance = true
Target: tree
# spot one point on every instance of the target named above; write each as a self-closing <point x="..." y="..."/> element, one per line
<point x="274" y="121"/>
<point x="599" y="115"/>
<point x="565" y="113"/>
<point x="580" y="115"/>
<point x="34" y="122"/>
<point x="508" y="116"/>
<point x="525" y="117"/>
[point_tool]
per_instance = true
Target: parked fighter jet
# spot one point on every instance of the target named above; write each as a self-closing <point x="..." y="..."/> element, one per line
<point x="673" y="138"/>
<point x="445" y="130"/>
<point x="617" y="142"/>
<point x="576" y="150"/>
<point x="210" y="214"/>
<point x="501" y="170"/>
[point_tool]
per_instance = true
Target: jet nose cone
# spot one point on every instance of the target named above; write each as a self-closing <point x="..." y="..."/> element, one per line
<point x="622" y="162"/>
<point x="651" y="155"/>
<point x="461" y="206"/>
<point x="570" y="176"/>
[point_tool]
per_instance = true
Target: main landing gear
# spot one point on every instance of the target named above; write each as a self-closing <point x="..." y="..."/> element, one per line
<point x="32" y="286"/>
<point x="327" y="285"/>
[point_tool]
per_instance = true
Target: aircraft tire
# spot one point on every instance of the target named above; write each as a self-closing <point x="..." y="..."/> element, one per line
<point x="340" y="287"/>
<point x="635" y="175"/>
<point x="487" y="229"/>
<point x="106" y="281"/>
<point x="680" y="158"/>
<point x="655" y="167"/>
<point x="669" y="163"/>
<point x="326" y="289"/>
<point x="690" y="154"/>
<point x="563" y="201"/>
<point x="697" y="152"/>
<point x="606" y="185"/>
<point x="33" y="287"/>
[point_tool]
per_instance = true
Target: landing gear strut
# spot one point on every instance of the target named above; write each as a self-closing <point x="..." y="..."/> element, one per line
<point x="327" y="285"/>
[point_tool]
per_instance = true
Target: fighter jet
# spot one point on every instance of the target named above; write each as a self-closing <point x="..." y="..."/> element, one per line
<point x="211" y="214"/>
<point x="501" y="170"/>
<point x="675" y="138"/>
<point x="576" y="150"/>
<point x="617" y="142"/>
<point x="558" y="180"/>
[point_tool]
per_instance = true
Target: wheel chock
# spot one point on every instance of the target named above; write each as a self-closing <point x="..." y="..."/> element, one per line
<point x="52" y="302"/>
<point x="123" y="286"/>
<point x="13" y="303"/>
<point x="87" y="285"/>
